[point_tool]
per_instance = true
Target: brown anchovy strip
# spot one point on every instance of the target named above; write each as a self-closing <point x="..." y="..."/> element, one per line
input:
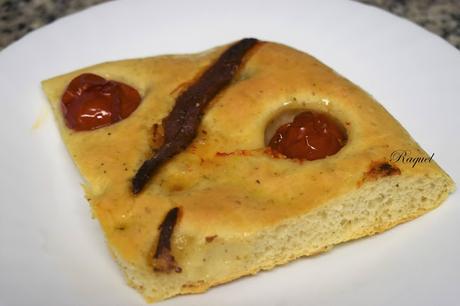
<point x="181" y="125"/>
<point x="163" y="260"/>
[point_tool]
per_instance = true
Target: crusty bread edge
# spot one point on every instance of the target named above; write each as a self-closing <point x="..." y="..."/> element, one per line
<point x="199" y="286"/>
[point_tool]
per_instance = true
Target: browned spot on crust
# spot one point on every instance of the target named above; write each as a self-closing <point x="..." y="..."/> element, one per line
<point x="197" y="284"/>
<point x="176" y="188"/>
<point x="210" y="238"/>
<point x="378" y="170"/>
<point x="163" y="260"/>
<point x="120" y="227"/>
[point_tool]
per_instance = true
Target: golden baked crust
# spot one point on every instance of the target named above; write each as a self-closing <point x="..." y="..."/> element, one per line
<point x="230" y="191"/>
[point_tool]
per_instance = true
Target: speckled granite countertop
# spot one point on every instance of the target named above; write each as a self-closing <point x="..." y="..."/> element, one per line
<point x="18" y="17"/>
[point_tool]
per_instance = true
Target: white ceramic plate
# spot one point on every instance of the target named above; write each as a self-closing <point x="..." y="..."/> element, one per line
<point x="53" y="253"/>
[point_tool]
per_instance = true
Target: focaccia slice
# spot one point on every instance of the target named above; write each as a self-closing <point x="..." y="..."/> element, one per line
<point x="232" y="206"/>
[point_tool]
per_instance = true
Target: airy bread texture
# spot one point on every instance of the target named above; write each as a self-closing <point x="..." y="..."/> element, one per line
<point x="372" y="209"/>
<point x="242" y="209"/>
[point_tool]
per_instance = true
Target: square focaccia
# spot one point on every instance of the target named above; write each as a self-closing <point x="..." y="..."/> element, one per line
<point x="287" y="159"/>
